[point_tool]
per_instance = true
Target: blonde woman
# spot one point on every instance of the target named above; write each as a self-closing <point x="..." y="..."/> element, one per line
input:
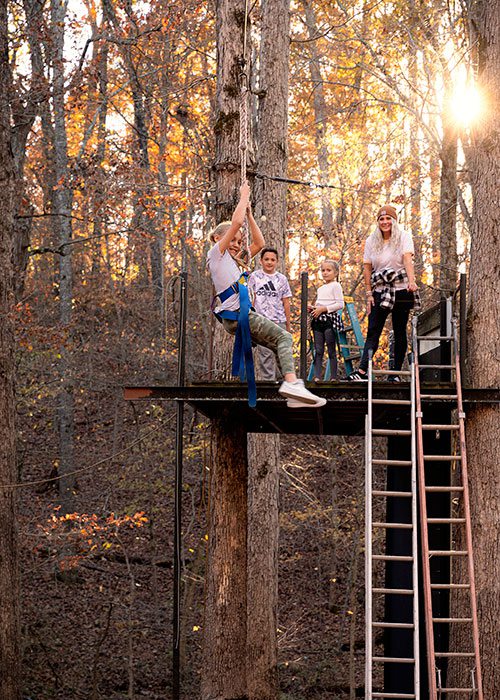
<point x="389" y="277"/>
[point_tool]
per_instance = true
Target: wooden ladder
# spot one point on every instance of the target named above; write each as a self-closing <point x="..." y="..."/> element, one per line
<point x="438" y="661"/>
<point x="372" y="497"/>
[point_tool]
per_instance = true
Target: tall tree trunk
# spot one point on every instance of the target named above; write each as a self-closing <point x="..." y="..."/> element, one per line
<point x="9" y="574"/>
<point x="435" y="182"/>
<point x="62" y="201"/>
<point x="140" y="220"/>
<point x="448" y="210"/>
<point x="264" y="450"/>
<point x="483" y="421"/>
<point x="99" y="101"/>
<point x="224" y="641"/>
<point x="320" y="120"/>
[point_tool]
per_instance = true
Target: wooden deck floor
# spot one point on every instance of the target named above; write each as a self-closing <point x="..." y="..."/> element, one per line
<point x="344" y="414"/>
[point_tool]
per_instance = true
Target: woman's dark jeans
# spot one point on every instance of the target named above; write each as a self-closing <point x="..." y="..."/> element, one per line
<point x="376" y="321"/>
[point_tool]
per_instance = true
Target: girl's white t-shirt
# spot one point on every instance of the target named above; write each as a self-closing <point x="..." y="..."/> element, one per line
<point x="388" y="256"/>
<point x="224" y="272"/>
<point x="331" y="296"/>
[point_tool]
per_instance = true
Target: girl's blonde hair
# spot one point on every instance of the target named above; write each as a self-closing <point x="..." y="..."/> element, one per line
<point x="335" y="264"/>
<point x="219" y="230"/>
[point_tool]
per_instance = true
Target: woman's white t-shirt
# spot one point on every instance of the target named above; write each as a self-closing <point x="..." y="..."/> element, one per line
<point x="388" y="256"/>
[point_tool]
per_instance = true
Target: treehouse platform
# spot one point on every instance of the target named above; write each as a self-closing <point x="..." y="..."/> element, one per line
<point x="344" y="414"/>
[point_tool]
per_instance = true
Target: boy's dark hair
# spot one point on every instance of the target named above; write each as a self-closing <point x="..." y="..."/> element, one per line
<point x="268" y="250"/>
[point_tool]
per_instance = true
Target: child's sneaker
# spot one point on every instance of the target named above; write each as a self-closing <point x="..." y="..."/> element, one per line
<point x="293" y="403"/>
<point x="357" y="377"/>
<point x="297" y="391"/>
<point x="394" y="379"/>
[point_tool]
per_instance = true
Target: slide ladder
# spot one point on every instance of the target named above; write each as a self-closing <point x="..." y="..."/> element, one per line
<point x="457" y="558"/>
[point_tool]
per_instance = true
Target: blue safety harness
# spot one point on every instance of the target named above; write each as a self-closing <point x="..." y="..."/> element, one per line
<point x="242" y="365"/>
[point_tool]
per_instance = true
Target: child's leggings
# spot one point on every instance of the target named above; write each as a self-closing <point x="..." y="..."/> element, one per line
<point x="320" y="338"/>
<point x="270" y="335"/>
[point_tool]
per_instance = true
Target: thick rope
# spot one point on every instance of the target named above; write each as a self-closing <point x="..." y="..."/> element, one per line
<point x="243" y="145"/>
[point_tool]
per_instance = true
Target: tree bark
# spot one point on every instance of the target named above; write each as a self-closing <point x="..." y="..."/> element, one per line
<point x="62" y="201"/>
<point x="483" y="421"/>
<point x="320" y="120"/>
<point x="9" y="573"/>
<point x="224" y="641"/>
<point x="264" y="450"/>
<point x="448" y="210"/>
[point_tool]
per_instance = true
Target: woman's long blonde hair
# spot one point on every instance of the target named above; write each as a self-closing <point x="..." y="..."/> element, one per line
<point x="377" y="240"/>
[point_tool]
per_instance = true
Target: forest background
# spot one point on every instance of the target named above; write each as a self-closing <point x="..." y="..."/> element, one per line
<point x="108" y="120"/>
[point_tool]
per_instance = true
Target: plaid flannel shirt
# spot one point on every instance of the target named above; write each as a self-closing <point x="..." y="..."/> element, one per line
<point x="383" y="281"/>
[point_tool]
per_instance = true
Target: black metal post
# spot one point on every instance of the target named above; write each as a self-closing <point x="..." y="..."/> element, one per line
<point x="463" y="323"/>
<point x="303" y="325"/>
<point x="445" y="345"/>
<point x="181" y="378"/>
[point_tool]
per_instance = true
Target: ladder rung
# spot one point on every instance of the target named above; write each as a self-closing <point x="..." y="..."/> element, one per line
<point x="432" y="338"/>
<point x="453" y="654"/>
<point x="394" y="625"/>
<point x="442" y="458"/>
<point x="393" y="660"/>
<point x="396" y="494"/>
<point x="450" y="586"/>
<point x="436" y="521"/>
<point x="436" y="366"/>
<point x="392" y="402"/>
<point x="390" y="557"/>
<point x="457" y="690"/>
<point x="394" y="526"/>
<point x="349" y="345"/>
<point x="392" y="372"/>
<point x="431" y="397"/>
<point x="438" y="426"/>
<point x="393" y="462"/>
<point x="381" y="431"/>
<point x="393" y="695"/>
<point x="452" y="619"/>
<point x="394" y="591"/>
<point x="448" y="553"/>
<point x="443" y="489"/>
<point x="351" y="357"/>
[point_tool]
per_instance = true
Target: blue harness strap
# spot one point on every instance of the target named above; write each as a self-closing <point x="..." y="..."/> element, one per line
<point x="242" y="365"/>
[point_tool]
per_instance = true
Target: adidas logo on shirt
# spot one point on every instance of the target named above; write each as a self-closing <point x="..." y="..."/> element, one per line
<point x="268" y="290"/>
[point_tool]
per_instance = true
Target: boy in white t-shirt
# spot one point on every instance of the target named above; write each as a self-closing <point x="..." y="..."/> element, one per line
<point x="271" y="296"/>
<point x="389" y="277"/>
<point x="232" y="293"/>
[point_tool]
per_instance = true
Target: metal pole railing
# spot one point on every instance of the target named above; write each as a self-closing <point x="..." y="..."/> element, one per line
<point x="181" y="378"/>
<point x="463" y="323"/>
<point x="303" y="324"/>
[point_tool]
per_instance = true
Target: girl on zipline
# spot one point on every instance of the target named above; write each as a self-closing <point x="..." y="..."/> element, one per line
<point x="389" y="276"/>
<point x="325" y="320"/>
<point x="236" y="314"/>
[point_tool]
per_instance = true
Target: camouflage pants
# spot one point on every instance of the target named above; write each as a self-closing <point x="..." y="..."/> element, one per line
<point x="270" y="335"/>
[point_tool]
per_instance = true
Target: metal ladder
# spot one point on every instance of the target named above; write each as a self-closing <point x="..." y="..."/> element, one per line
<point x="373" y="593"/>
<point x="438" y="660"/>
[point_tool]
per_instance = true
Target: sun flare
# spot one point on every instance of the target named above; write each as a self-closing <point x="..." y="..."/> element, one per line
<point x="466" y="105"/>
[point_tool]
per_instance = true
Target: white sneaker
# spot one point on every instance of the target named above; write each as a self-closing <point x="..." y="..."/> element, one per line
<point x="293" y="403"/>
<point x="297" y="391"/>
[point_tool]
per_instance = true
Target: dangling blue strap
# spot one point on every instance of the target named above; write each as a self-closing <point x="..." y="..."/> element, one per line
<point x="242" y="365"/>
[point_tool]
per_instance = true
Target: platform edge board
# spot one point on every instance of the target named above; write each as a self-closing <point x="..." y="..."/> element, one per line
<point x="339" y="392"/>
